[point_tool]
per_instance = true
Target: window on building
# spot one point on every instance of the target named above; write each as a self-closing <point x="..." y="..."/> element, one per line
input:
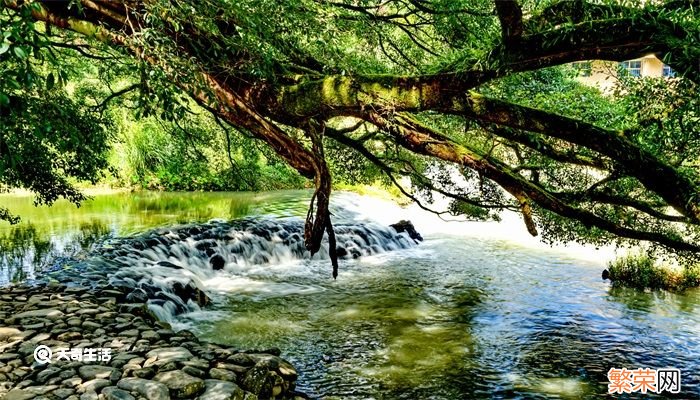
<point x="583" y="67"/>
<point x="668" y="72"/>
<point x="633" y="67"/>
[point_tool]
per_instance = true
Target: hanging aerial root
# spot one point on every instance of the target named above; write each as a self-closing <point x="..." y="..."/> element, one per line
<point x="319" y="221"/>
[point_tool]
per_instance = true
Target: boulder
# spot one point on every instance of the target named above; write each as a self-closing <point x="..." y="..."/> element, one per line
<point x="406" y="226"/>
<point x="181" y="385"/>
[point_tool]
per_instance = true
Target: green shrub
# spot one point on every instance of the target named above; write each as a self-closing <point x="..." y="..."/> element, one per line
<point x="642" y="272"/>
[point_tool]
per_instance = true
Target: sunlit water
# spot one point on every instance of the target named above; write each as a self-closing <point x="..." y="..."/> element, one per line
<point x="476" y="311"/>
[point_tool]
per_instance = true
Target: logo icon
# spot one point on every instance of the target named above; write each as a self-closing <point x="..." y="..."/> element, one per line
<point x="42" y="354"/>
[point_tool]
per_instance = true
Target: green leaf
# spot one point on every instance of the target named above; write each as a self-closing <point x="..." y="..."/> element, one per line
<point x="19" y="52"/>
<point x="50" y="81"/>
<point x="4" y="47"/>
<point x="4" y="100"/>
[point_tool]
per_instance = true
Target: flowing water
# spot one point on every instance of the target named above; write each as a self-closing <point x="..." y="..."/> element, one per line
<point x="477" y="310"/>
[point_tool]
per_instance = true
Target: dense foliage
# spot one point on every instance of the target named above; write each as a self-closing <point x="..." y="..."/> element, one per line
<point x="465" y="99"/>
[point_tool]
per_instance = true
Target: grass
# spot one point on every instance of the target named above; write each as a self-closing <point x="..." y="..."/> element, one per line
<point x="642" y="272"/>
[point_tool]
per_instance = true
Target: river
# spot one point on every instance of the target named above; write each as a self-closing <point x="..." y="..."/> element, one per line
<point x="477" y="310"/>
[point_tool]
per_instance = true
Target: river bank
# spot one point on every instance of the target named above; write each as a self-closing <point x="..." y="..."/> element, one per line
<point x="119" y="351"/>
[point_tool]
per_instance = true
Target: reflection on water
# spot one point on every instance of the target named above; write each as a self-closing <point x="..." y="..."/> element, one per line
<point x="48" y="235"/>
<point x="463" y="315"/>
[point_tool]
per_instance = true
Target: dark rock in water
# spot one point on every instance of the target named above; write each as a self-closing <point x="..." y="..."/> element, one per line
<point x="606" y="274"/>
<point x="168" y="264"/>
<point x="341" y="252"/>
<point x="406" y="226"/>
<point x="205" y="244"/>
<point x="137" y="296"/>
<point x="190" y="292"/>
<point x="217" y="262"/>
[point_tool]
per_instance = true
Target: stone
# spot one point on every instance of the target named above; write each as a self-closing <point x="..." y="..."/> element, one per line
<point x="165" y="355"/>
<point x="217" y="262"/>
<point x="255" y="379"/>
<point x="148" y="389"/>
<point x="9" y="333"/>
<point x="130" y="332"/>
<point x="63" y="393"/>
<point x="94" y="385"/>
<point x="222" y="374"/>
<point x="145" y="373"/>
<point x="89" y="372"/>
<point x="91" y="325"/>
<point x="49" y="313"/>
<point x="220" y="390"/>
<point x="69" y="336"/>
<point x="89" y="396"/>
<point x="407" y="226"/>
<point x="47" y="374"/>
<point x="31" y="392"/>
<point x="181" y="385"/>
<point x="190" y="370"/>
<point x="113" y="393"/>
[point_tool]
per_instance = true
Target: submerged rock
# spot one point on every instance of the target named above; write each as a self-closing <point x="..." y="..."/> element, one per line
<point x="407" y="226"/>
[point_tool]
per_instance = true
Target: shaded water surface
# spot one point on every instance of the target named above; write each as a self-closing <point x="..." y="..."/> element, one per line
<point x="475" y="311"/>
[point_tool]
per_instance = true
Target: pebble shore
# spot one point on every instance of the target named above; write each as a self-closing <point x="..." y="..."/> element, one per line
<point x="148" y="359"/>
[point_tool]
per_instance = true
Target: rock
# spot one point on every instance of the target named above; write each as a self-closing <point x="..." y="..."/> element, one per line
<point x="94" y="385"/>
<point x="148" y="389"/>
<point x="407" y="226"/>
<point x="606" y="274"/>
<point x="69" y="336"/>
<point x="9" y="333"/>
<point x="217" y="262"/>
<point x="190" y="370"/>
<point x="47" y="374"/>
<point x="138" y="295"/>
<point x="220" y="390"/>
<point x="181" y="385"/>
<point x="89" y="372"/>
<point x="113" y="393"/>
<point x="145" y="373"/>
<point x="165" y="355"/>
<point x="255" y="379"/>
<point x="28" y="392"/>
<point x="63" y="393"/>
<point x="130" y="332"/>
<point x="222" y="374"/>
<point x="49" y="313"/>
<point x="89" y="396"/>
<point x="150" y="335"/>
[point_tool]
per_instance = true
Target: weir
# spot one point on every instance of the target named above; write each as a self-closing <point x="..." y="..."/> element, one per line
<point x="166" y="268"/>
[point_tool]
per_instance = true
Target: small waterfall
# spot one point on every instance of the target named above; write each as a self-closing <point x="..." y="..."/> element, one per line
<point x="165" y="268"/>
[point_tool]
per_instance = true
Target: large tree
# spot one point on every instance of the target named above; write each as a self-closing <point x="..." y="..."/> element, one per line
<point x="411" y="86"/>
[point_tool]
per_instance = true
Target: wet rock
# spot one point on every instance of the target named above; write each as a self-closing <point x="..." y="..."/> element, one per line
<point x="148" y="389"/>
<point x="255" y="380"/>
<point x="407" y="226"/>
<point x="220" y="390"/>
<point x="167" y="354"/>
<point x="49" y="313"/>
<point x="181" y="385"/>
<point x="94" y="385"/>
<point x="89" y="372"/>
<point x="47" y="374"/>
<point x="138" y="295"/>
<point x="217" y="262"/>
<point x="114" y="393"/>
<point x="222" y="374"/>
